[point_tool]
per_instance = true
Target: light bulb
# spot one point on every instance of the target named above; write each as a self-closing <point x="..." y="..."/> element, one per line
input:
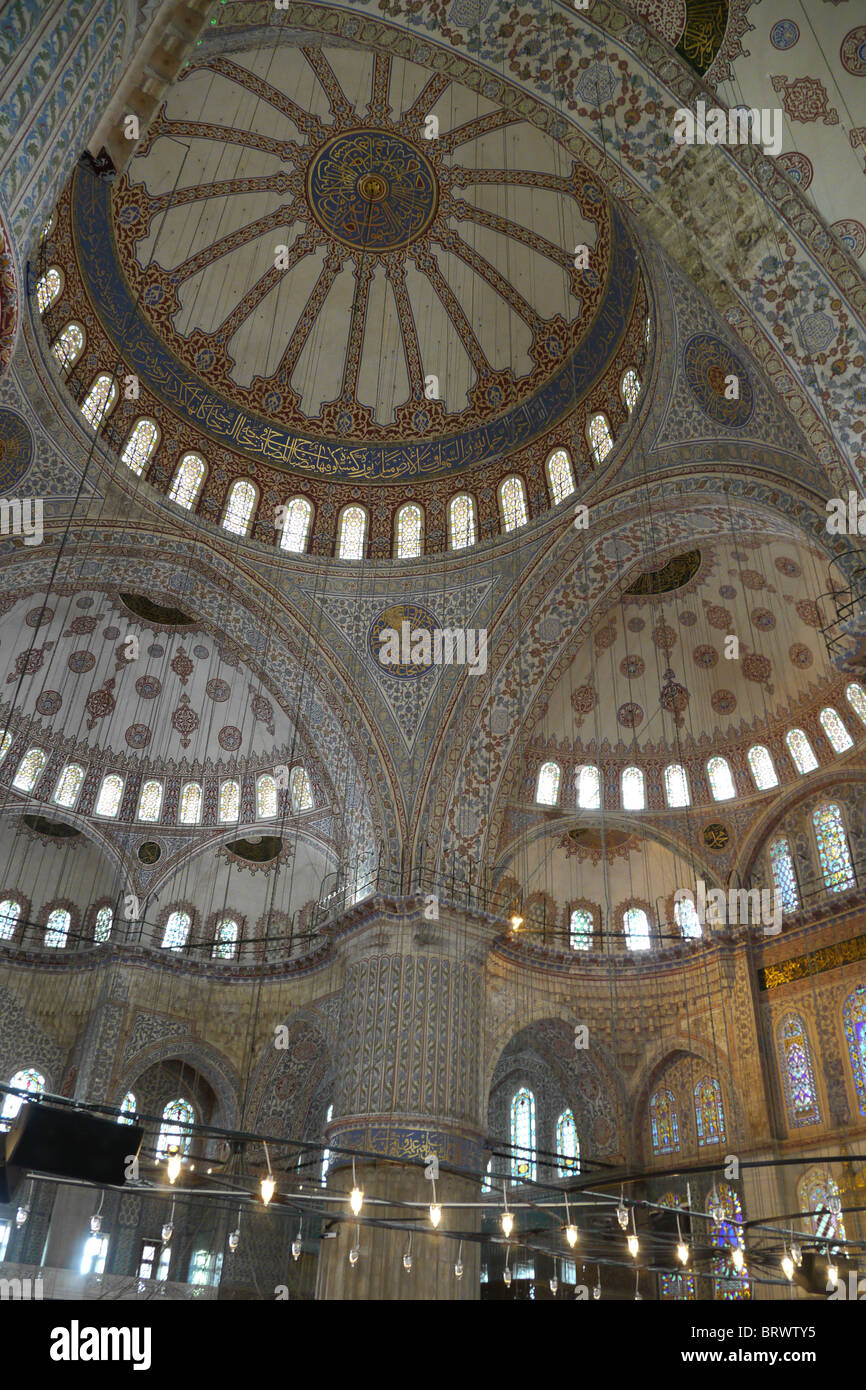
<point x="96" y="1223"/>
<point x="353" y="1255"/>
<point x="832" y="1275"/>
<point x="834" y="1202"/>
<point x="622" y="1216"/>
<point x="269" y="1187"/>
<point x="554" y="1285"/>
<point x="407" y="1262"/>
<point x="174" y="1166"/>
<point x="787" y="1266"/>
<point x="507" y="1277"/>
<point x="796" y="1254"/>
<point x="21" y="1215"/>
<point x="234" y="1240"/>
<point x="167" y="1232"/>
<point x="638" y="1296"/>
<point x="596" y="1291"/>
<point x="435" y="1213"/>
<point x="633" y="1245"/>
<point x="296" y="1247"/>
<point x="516" y="921"/>
<point x="571" y="1235"/>
<point x="738" y="1259"/>
<point x="717" y="1213"/>
<point x="506" y="1221"/>
<point x="458" y="1270"/>
<point x="683" y="1253"/>
<point x="356" y="1200"/>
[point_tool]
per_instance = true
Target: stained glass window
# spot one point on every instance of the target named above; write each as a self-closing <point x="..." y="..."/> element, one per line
<point x="57" y="927"/>
<point x="801" y="751"/>
<point x="523" y="1135"/>
<point x="190" y="803"/>
<point x="150" y="801"/>
<point x="33" y="1082"/>
<point x="461" y="521"/>
<point x="664" y="1123"/>
<point x="567" y="1146"/>
<point x="721" y="780"/>
<point x="580" y="929"/>
<point x="600" y="437"/>
<point x="69" y="785"/>
<point x="630" y="389"/>
<point x="512" y="500"/>
<point x="797" y="1075"/>
<point x="709" y="1112"/>
<point x="68" y="346"/>
<point x="686" y="918"/>
<point x="637" y="929"/>
<point x="128" y="1107"/>
<point x="729" y="1283"/>
<point x="784" y="877"/>
<point x="174" y="1134"/>
<point x="230" y="801"/>
<point x="4" y="746"/>
<point x="296" y="525"/>
<point x="676" y="785"/>
<point x="409" y="523"/>
<point x="176" y="931"/>
<point x="140" y="445"/>
<point x="856" y="697"/>
<point x="833" y="849"/>
<point x="762" y="767"/>
<point x="839" y="737"/>
<point x="632" y="789"/>
<point x="547" y="788"/>
<point x="29" y="769"/>
<point x="226" y="939"/>
<point x="854" y="1018"/>
<point x="108" y="801"/>
<point x="48" y="288"/>
<point x="301" y="791"/>
<point x="103" y="923"/>
<point x="187" y="480"/>
<point x="817" y="1192"/>
<point x="266" y="796"/>
<point x="99" y="400"/>
<point x="10" y="911"/>
<point x="560" y="475"/>
<point x="589" y="788"/>
<point x="353" y="534"/>
<point x="239" y="508"/>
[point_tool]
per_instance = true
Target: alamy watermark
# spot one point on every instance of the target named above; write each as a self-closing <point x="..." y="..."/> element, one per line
<point x="737" y="907"/>
<point x="438" y="646"/>
<point x="742" y="125"/>
<point x="22" y="516"/>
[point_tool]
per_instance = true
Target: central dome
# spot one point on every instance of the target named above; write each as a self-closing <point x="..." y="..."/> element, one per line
<point x="372" y="190"/>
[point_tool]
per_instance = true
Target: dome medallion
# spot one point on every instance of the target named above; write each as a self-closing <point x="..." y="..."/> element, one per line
<point x="372" y="190"/>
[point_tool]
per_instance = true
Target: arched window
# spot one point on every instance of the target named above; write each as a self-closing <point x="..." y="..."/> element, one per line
<point x="567" y="1146"/>
<point x="409" y="526"/>
<point x="10" y="911"/>
<point x="833" y="852"/>
<point x="225" y="943"/>
<point x="128" y="1107"/>
<point x="709" y="1112"/>
<point x="664" y="1123"/>
<point x="33" y="1082"/>
<point x="721" y="782"/>
<point x="854" y="1019"/>
<point x="174" y="1134"/>
<point x="461" y="521"/>
<point x="588" y="788"/>
<point x="102" y="924"/>
<point x="763" y="771"/>
<point x="560" y="475"/>
<point x="68" y="345"/>
<point x="110" y="793"/>
<point x="798" y="1078"/>
<point x="300" y="790"/>
<point x="239" y="507"/>
<point x="856" y="697"/>
<point x="69" y="785"/>
<point x="29" y="769"/>
<point x="687" y="919"/>
<point x="676" y="785"/>
<point x="266" y="796"/>
<point x="176" y="931"/>
<point x="100" y="400"/>
<point x="838" y="736"/>
<point x="523" y="1135"/>
<point x="729" y="1283"/>
<point x="636" y="926"/>
<point x="512" y="502"/>
<point x="600" y="437"/>
<point x="784" y="876"/>
<point x="487" y="1182"/>
<point x="296" y="525"/>
<point x="630" y="388"/>
<point x="326" y="1153"/>
<point x="187" y="480"/>
<point x="353" y="534"/>
<point x="4" y="746"/>
<point x="801" y="751"/>
<point x="230" y="802"/>
<point x="139" y="447"/>
<point x="547" y="787"/>
<point x="57" y="927"/>
<point x="580" y="928"/>
<point x="633" y="798"/>
<point x="150" y="801"/>
<point x="190" y="803"/>
<point x="817" y="1193"/>
<point x="48" y="288"/>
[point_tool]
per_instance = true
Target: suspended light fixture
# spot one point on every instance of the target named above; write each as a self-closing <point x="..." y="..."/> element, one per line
<point x="832" y="1271"/>
<point x="796" y="1254"/>
<point x="297" y="1245"/>
<point x="638" y="1296"/>
<point x="682" y="1248"/>
<point x="834" y="1203"/>
<point x="435" y="1208"/>
<point x="21" y="1215"/>
<point x="356" y="1196"/>
<point x="738" y="1259"/>
<point x="268" y="1184"/>
<point x="458" y="1264"/>
<point x="570" y="1228"/>
<point x="516" y="921"/>
<point x="596" y="1288"/>
<point x="168" y="1228"/>
<point x="174" y="1165"/>
<point x="355" y="1252"/>
<point x="507" y="1275"/>
<point x="506" y="1220"/>
<point x="787" y="1265"/>
<point x="96" y="1218"/>
<point x="717" y="1212"/>
<point x="633" y="1242"/>
<point x="407" y="1258"/>
<point x="621" y="1211"/>
<point x="235" y="1235"/>
<point x="554" y="1283"/>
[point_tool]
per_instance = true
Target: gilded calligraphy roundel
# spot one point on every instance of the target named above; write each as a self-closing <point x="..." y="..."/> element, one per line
<point x="718" y="380"/>
<point x="372" y="190"/>
<point x="400" y="640"/>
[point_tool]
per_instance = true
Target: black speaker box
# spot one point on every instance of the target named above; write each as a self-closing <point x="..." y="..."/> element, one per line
<point x="69" y="1144"/>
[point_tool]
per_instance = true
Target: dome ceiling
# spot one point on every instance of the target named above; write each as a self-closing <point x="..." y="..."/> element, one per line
<point x="405" y="259"/>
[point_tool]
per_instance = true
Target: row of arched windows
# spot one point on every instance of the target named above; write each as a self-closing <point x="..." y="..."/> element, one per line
<point x="225" y="940"/>
<point x="226" y="936"/>
<point x="834" y="857"/>
<point x="523" y="1139"/>
<point x="719" y="774"/>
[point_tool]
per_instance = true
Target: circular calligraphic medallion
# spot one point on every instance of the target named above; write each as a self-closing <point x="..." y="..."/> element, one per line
<point x="372" y="190"/>
<point x="398" y="632"/>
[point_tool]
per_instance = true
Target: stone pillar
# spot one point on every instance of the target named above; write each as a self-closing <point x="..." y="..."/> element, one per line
<point x="408" y="1086"/>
